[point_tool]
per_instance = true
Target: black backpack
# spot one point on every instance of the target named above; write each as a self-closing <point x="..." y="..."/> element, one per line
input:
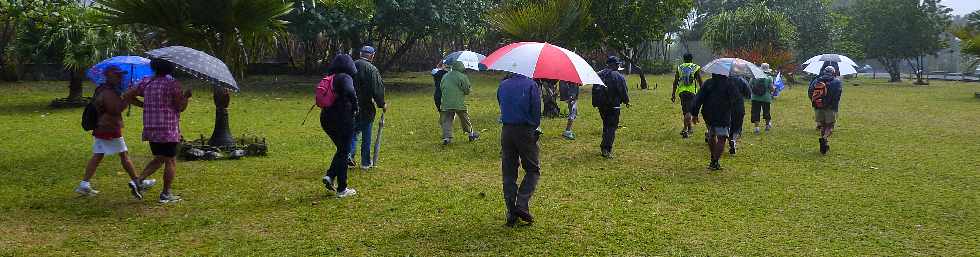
<point x="90" y="116"/>
<point x="759" y="87"/>
<point x="601" y="95"/>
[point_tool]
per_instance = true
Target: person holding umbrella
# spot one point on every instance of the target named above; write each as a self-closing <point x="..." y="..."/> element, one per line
<point x="337" y="121"/>
<point x="609" y="98"/>
<point x="163" y="101"/>
<point x="455" y="86"/>
<point x="825" y="94"/>
<point x="762" y="94"/>
<point x="370" y="90"/>
<point x="108" y="133"/>
<point x="520" y="112"/>
<point x="716" y="102"/>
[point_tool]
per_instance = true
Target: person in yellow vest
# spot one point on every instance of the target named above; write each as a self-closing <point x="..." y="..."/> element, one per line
<point x="687" y="81"/>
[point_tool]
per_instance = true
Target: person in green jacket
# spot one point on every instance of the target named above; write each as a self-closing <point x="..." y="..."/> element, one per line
<point x="455" y="86"/>
<point x="762" y="89"/>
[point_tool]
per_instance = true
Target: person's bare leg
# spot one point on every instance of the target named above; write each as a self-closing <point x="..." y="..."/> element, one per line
<point x="92" y="165"/>
<point x="687" y="122"/>
<point x="170" y="168"/>
<point x="568" y="126"/>
<point x="151" y="167"/>
<point x="127" y="165"/>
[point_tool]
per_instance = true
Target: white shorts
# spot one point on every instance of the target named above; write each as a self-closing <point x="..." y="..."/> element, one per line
<point x="110" y="146"/>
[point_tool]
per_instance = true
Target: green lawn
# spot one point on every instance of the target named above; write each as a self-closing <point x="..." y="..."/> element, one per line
<point x="903" y="178"/>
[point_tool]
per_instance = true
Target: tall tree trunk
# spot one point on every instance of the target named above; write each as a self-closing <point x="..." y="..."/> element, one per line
<point x="75" y="78"/>
<point x="643" y="78"/>
<point x="402" y="49"/>
<point x="892" y="66"/>
<point x="221" y="136"/>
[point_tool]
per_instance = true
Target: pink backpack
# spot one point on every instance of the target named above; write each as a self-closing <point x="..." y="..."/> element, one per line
<point x="325" y="95"/>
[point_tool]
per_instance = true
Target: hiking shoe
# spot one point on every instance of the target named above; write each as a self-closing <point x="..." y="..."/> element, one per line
<point x="366" y="167"/>
<point x="606" y="154"/>
<point x="824" y="146"/>
<point x="86" y="191"/>
<point x="474" y="136"/>
<point x="446" y="141"/>
<point x="169" y="198"/>
<point x="768" y="126"/>
<point x="135" y="190"/>
<point x="351" y="163"/>
<point x="328" y="183"/>
<point x="684" y="134"/>
<point x="732" y="146"/>
<point x="757" y="130"/>
<point x="511" y="220"/>
<point x="568" y="135"/>
<point x="524" y="215"/>
<point x="714" y="165"/>
<point x="346" y="193"/>
<point x="147" y="184"/>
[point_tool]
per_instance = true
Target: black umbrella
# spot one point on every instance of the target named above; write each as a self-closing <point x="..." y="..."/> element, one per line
<point x="198" y="64"/>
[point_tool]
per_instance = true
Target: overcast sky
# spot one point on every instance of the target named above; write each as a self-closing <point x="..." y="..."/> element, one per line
<point x="962" y="7"/>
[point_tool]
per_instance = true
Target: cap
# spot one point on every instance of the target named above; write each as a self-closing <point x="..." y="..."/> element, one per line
<point x="613" y="60"/>
<point x="367" y="49"/>
<point x="830" y="70"/>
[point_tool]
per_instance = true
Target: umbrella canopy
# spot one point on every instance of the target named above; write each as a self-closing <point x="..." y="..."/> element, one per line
<point x="135" y="67"/>
<point x="542" y="61"/>
<point x="831" y="58"/>
<point x="199" y="64"/>
<point x="733" y="67"/>
<point x="471" y="60"/>
<point x="817" y="66"/>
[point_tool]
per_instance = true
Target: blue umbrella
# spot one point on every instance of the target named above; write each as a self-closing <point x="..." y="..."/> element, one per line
<point x="135" y="67"/>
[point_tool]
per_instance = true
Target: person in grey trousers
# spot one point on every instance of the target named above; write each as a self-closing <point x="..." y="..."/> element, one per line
<point x="520" y="112"/>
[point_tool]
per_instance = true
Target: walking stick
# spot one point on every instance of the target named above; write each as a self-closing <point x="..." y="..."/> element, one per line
<point x="377" y="140"/>
<point x="307" y="115"/>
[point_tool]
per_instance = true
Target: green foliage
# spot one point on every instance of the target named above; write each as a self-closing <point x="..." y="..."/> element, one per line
<point x="229" y="29"/>
<point x="969" y="34"/>
<point x="750" y="26"/>
<point x="893" y="31"/>
<point x="627" y="24"/>
<point x="558" y="22"/>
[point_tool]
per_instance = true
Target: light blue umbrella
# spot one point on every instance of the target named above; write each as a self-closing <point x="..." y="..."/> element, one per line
<point x="471" y="60"/>
<point x="135" y="67"/>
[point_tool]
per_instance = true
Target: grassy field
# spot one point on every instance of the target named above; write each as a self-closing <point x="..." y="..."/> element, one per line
<point x="902" y="179"/>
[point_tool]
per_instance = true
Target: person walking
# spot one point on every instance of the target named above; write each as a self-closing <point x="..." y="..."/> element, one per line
<point x="371" y="92"/>
<point x="716" y="101"/>
<point x="437" y="74"/>
<point x="762" y="91"/>
<point x="738" y="112"/>
<point x="337" y="122"/>
<point x="609" y="99"/>
<point x="520" y="112"/>
<point x="568" y="92"/>
<point x="163" y="101"/>
<point x="687" y="80"/>
<point x="107" y="135"/>
<point x="825" y="94"/>
<point x="455" y="86"/>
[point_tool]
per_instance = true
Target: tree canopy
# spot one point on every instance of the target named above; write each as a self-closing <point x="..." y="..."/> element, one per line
<point x="896" y="31"/>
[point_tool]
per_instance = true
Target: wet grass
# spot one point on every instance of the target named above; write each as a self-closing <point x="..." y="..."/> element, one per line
<point x="902" y="179"/>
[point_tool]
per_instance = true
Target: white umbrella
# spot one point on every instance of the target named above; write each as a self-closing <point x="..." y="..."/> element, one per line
<point x="831" y="58"/>
<point x="817" y="67"/>
<point x="733" y="67"/>
<point x="471" y="60"/>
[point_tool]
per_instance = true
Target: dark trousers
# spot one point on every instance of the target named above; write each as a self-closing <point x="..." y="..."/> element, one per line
<point x="341" y="132"/>
<point x="610" y="122"/>
<point x="519" y="146"/>
<point x="762" y="108"/>
<point x="738" y="117"/>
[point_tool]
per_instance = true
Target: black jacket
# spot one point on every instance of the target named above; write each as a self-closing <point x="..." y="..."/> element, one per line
<point x="618" y="93"/>
<point x="437" y="78"/>
<point x="717" y="100"/>
<point x="341" y="114"/>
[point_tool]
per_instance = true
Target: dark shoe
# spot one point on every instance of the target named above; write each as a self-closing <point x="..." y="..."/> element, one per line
<point x="511" y="220"/>
<point x="135" y="190"/>
<point x="684" y="134"/>
<point x="714" y="165"/>
<point x="474" y="136"/>
<point x="525" y="216"/>
<point x="606" y="154"/>
<point x="446" y="141"/>
<point x="351" y="163"/>
<point x="732" y="147"/>
<point x="824" y="146"/>
<point x="328" y="183"/>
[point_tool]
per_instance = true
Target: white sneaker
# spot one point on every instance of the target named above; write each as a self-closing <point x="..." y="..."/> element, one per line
<point x="86" y="191"/>
<point x="367" y="167"/>
<point x="147" y="184"/>
<point x="347" y="192"/>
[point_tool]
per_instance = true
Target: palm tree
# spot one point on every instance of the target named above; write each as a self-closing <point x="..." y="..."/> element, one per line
<point x="232" y="30"/>
<point x="560" y="22"/>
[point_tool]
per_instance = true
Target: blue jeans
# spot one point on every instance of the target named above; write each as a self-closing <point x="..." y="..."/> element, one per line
<point x="363" y="128"/>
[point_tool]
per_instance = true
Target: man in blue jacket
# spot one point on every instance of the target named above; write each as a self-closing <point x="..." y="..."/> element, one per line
<point x="520" y="112"/>
<point x="614" y="95"/>
<point x="825" y="92"/>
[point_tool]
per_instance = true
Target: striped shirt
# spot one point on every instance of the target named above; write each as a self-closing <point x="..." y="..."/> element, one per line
<point x="161" y="117"/>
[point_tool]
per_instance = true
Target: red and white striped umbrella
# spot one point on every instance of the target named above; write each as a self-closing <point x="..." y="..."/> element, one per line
<point x="542" y="61"/>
